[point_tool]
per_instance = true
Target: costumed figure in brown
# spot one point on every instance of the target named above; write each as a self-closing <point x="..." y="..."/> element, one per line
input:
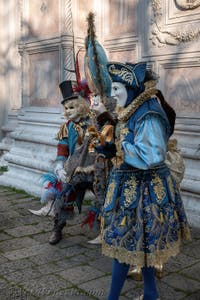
<point x="103" y="106"/>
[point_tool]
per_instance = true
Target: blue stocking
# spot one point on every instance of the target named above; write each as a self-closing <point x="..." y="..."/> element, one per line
<point x="150" y="290"/>
<point x="119" y="273"/>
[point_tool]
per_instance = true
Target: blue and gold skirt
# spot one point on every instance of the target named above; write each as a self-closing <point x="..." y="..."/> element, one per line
<point x="143" y="219"/>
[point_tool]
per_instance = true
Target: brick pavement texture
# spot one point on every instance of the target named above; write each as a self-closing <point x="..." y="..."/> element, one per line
<point x="30" y="268"/>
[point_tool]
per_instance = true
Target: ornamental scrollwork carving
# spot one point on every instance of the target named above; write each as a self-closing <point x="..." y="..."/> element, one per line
<point x="187" y="4"/>
<point x="161" y="37"/>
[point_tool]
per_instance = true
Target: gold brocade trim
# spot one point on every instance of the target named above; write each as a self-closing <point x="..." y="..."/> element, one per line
<point x="119" y="158"/>
<point x="124" y="72"/>
<point x="123" y="222"/>
<point x="186" y="234"/>
<point x="139" y="258"/>
<point x="109" y="193"/>
<point x="130" y="193"/>
<point x="102" y="223"/>
<point x="158" y="188"/>
<point x="171" y="187"/>
<point x="80" y="132"/>
<point x="63" y="132"/>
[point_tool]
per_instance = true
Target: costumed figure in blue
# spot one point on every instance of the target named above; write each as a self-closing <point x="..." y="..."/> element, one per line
<point x="143" y="218"/>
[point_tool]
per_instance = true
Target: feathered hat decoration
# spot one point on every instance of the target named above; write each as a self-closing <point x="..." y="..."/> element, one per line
<point x="81" y="87"/>
<point x="95" y="62"/>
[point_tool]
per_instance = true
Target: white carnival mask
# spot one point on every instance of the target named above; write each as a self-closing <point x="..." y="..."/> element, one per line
<point x="96" y="99"/>
<point x="72" y="110"/>
<point x="119" y="93"/>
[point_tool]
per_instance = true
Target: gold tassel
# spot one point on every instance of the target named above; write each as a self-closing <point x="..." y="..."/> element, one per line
<point x="123" y="222"/>
<point x="102" y="223"/>
<point x="161" y="217"/>
<point x="175" y="215"/>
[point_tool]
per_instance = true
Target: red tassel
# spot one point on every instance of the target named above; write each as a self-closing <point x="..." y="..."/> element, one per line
<point x="78" y="75"/>
<point x="59" y="186"/>
<point x="49" y="185"/>
<point x="62" y="150"/>
<point x="82" y="86"/>
<point x="89" y="219"/>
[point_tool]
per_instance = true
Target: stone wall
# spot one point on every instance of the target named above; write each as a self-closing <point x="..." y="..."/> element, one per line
<point x="37" y="41"/>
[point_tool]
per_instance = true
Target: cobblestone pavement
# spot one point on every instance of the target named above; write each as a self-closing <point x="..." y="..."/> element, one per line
<point x="30" y="268"/>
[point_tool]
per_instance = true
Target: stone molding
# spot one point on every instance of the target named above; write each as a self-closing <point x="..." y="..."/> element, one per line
<point x="34" y="148"/>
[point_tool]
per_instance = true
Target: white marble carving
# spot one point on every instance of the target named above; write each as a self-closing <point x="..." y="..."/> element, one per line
<point x="187" y="4"/>
<point x="161" y="35"/>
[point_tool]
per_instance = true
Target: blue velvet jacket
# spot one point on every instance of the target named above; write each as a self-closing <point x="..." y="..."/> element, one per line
<point x="148" y="132"/>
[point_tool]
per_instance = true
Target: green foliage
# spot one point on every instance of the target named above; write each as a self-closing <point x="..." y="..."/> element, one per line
<point x="14" y="190"/>
<point x="3" y="169"/>
<point x="22" y="192"/>
<point x="87" y="202"/>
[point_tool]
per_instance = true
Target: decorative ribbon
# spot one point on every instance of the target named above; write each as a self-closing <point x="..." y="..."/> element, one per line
<point x="100" y="138"/>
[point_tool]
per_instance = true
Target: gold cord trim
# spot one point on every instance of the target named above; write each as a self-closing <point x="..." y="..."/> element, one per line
<point x="124" y="114"/>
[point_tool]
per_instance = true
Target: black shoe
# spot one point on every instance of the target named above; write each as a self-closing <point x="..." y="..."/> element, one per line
<point x="55" y="237"/>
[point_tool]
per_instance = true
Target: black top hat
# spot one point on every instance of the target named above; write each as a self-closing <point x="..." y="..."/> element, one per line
<point x="67" y="91"/>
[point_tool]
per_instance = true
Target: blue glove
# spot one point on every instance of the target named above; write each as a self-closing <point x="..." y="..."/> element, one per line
<point x="109" y="149"/>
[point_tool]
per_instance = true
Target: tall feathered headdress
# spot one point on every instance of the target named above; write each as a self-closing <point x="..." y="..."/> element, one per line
<point x="95" y="62"/>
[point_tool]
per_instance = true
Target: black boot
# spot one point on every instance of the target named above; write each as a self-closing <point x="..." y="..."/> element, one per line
<point x="57" y="233"/>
